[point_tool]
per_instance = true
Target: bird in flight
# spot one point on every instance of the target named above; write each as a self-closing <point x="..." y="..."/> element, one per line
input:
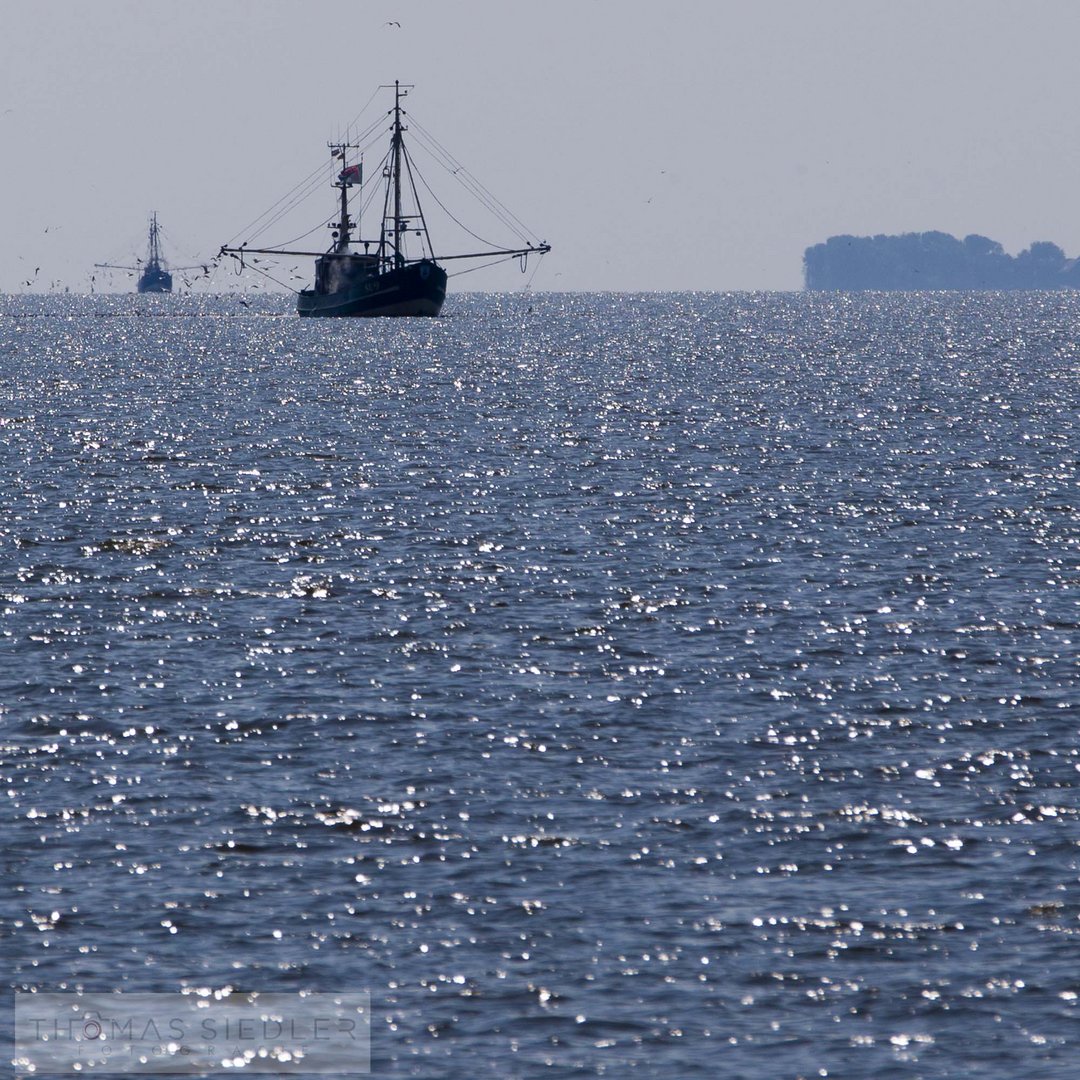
<point x="397" y="24"/>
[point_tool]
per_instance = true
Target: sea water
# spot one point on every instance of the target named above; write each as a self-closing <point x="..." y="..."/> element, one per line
<point x="611" y="685"/>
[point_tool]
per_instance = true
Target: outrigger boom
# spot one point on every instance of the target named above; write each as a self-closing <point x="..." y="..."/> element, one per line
<point x="538" y="249"/>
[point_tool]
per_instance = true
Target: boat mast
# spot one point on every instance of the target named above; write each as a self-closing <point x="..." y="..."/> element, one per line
<point x="343" y="238"/>
<point x="154" y="255"/>
<point x="399" y="258"/>
<point x="344" y="226"/>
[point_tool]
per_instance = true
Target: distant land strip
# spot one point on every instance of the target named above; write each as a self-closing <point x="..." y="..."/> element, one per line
<point x="935" y="260"/>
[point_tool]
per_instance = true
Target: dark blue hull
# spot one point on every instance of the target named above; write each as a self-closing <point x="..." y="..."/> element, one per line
<point x="155" y="281"/>
<point x="417" y="289"/>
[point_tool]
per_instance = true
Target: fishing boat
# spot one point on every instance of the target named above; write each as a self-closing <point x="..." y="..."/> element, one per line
<point x="395" y="272"/>
<point x="154" y="275"/>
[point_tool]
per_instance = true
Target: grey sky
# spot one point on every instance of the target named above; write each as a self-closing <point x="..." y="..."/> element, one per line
<point x="694" y="144"/>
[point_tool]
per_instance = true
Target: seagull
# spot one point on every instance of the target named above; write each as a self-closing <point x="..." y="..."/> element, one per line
<point x="397" y="24"/>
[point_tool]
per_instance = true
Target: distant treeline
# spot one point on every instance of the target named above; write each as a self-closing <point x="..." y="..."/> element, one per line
<point x="935" y="260"/>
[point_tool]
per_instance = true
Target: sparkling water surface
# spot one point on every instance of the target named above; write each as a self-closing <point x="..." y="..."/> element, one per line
<point x="665" y="686"/>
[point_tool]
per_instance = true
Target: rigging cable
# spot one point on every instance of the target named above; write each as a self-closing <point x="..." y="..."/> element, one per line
<point x="491" y="199"/>
<point x="299" y="198"/>
<point x="302" y="197"/>
<point x="528" y="284"/>
<point x="321" y="225"/>
<point x="484" y="266"/>
<point x="479" y="197"/>
<point x="307" y="180"/>
<point x="374" y="187"/>
<point x="364" y="110"/>
<point x="424" y="234"/>
<point x="444" y="209"/>
<point x="296" y="195"/>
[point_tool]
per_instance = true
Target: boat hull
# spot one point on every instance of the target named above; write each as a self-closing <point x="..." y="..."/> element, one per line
<point x="155" y="281"/>
<point x="415" y="290"/>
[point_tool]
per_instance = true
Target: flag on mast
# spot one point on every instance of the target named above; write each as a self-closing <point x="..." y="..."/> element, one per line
<point x="352" y="175"/>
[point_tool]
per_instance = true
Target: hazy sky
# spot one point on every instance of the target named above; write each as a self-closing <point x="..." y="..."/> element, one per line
<point x="691" y="144"/>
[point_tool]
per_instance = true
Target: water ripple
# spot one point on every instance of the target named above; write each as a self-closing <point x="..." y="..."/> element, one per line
<point x="673" y="685"/>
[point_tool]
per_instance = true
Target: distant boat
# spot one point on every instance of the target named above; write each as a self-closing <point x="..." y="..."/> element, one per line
<point x="154" y="275"/>
<point x="386" y="278"/>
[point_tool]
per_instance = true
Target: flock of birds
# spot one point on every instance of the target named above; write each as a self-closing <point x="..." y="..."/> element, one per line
<point x="208" y="270"/>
